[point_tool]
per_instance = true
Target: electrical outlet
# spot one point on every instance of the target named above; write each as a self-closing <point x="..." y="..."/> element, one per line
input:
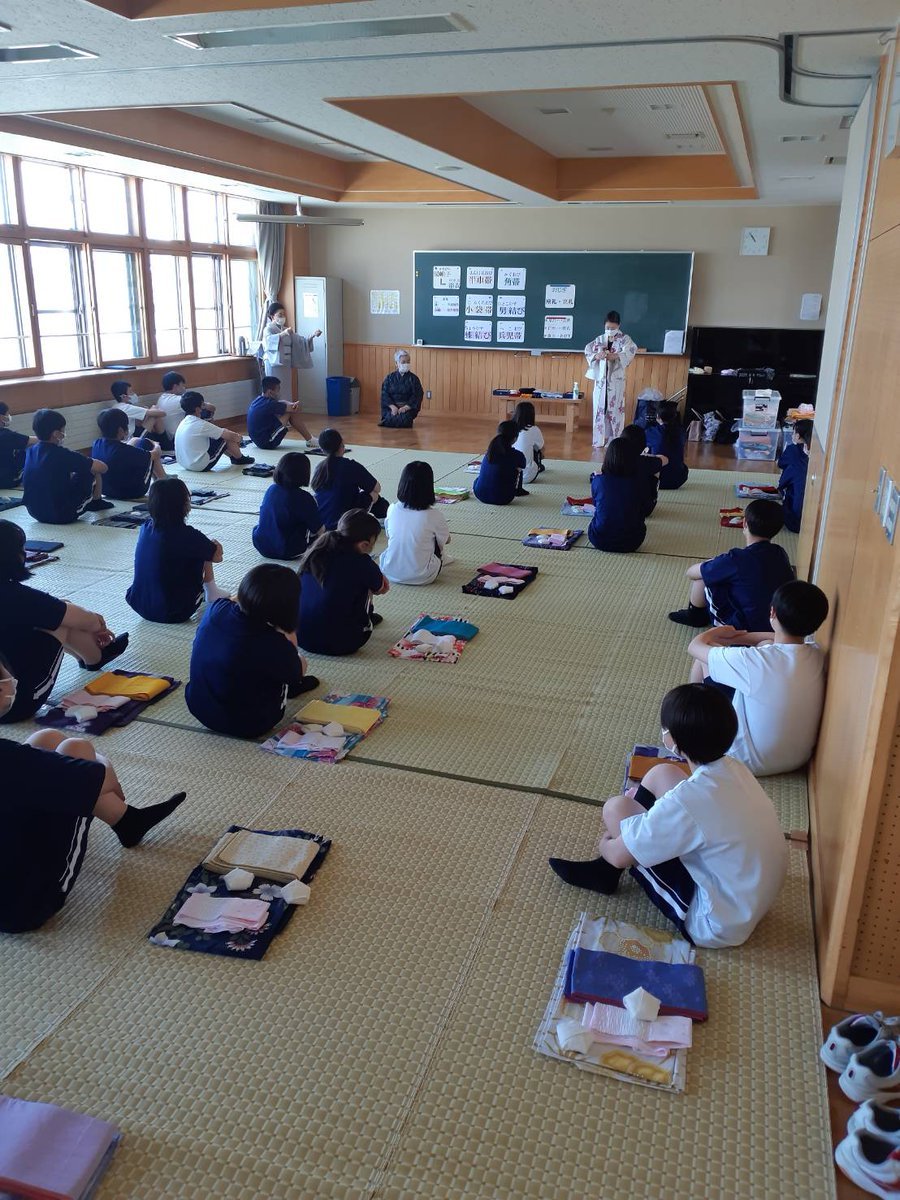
<point x="428" y="394"/>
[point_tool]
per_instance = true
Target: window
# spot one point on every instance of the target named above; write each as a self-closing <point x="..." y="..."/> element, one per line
<point x="59" y="293"/>
<point x="244" y="300"/>
<point x="51" y="200"/>
<point x="163" y="211"/>
<point x="16" y="346"/>
<point x="209" y="305"/>
<point x="171" y="305"/>
<point x="7" y="192"/>
<point x="109" y="206"/>
<point x="118" y="305"/>
<point x="205" y="217"/>
<point x="241" y="233"/>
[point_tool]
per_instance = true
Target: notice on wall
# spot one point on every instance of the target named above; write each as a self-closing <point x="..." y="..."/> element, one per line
<point x="558" y="328"/>
<point x="479" y="305"/>
<point x="384" y="302"/>
<point x="446" y="279"/>
<point x="510" y="306"/>
<point x="511" y="279"/>
<point x="559" y="295"/>
<point x="310" y="305"/>
<point x="445" y="306"/>
<point x="810" y="306"/>
<point x="479" y="277"/>
<point x="512" y="332"/>
<point x="478" y="331"/>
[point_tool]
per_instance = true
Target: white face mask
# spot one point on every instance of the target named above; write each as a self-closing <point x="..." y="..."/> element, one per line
<point x="610" y="331"/>
<point x="5" y="421"/>
<point x="8" y="687"/>
<point x="281" y="319"/>
<point x="402" y="367"/>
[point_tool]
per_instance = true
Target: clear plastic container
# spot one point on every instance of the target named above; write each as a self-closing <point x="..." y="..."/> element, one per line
<point x="760" y="408"/>
<point x="757" y="443"/>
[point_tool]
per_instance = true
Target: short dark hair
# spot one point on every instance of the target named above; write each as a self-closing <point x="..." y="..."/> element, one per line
<point x="523" y="415"/>
<point x="701" y="720"/>
<point x="636" y="434"/>
<point x="612" y="315"/>
<point x="269" y="382"/>
<point x="168" y="502"/>
<point x="803" y="430"/>
<point x="190" y="402"/>
<point x="416" y="486"/>
<point x="45" y="423"/>
<point x="119" y="389"/>
<point x="271" y="593"/>
<point x="620" y="458"/>
<point x="764" y="518"/>
<point x="273" y="308"/>
<point x="292" y="471"/>
<point x="12" y="553"/>
<point x="800" y="607"/>
<point x="170" y="379"/>
<point x="110" y="421"/>
<point x="4" y="408"/>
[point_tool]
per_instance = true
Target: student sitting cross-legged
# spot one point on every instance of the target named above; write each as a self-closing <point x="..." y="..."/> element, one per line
<point x="149" y="422"/>
<point x="776" y="681"/>
<point x="794" y="463"/>
<point x="199" y="444"/>
<point x="500" y="477"/>
<point x="530" y="441"/>
<point x="174" y="387"/>
<point x="270" y="418"/>
<point x="648" y="466"/>
<point x="417" y="532"/>
<point x="338" y="580"/>
<point x="245" y="664"/>
<point x="341" y="485"/>
<point x="173" y="562"/>
<point x="36" y="629"/>
<point x="129" y="465"/>
<point x="704" y="843"/>
<point x="60" y="485"/>
<point x="289" y="518"/>
<point x="666" y="436"/>
<point x="736" y="588"/>
<point x="12" y="450"/>
<point x="619" y="494"/>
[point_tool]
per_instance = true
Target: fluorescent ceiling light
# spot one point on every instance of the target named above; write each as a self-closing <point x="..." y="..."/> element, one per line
<point x="45" y="52"/>
<point x="598" y="149"/>
<point x="683" y="137"/>
<point x="661" y="107"/>
<point x="554" y="112"/>
<point x="320" y="31"/>
<point x="448" y="167"/>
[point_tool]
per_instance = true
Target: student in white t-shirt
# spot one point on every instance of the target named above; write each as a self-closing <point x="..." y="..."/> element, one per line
<point x="142" y="422"/>
<point x="199" y="444"/>
<point x="530" y="441"/>
<point x="707" y="847"/>
<point x="417" y="532"/>
<point x="174" y="387"/>
<point x="776" y="680"/>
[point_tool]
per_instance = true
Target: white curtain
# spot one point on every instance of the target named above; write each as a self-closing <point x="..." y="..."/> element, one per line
<point x="270" y="256"/>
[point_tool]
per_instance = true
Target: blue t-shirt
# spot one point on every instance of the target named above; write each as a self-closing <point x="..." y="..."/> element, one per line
<point x="675" y="472"/>
<point x="12" y="456"/>
<point x="128" y="468"/>
<point x="618" y="521"/>
<point x="262" y="419"/>
<point x="58" y="483"/>
<point x="334" y="617"/>
<point x="497" y="482"/>
<point x="792" y="485"/>
<point x="242" y="672"/>
<point x="168" y="573"/>
<point x="740" y="584"/>
<point x="289" y="520"/>
<point x="351" y="486"/>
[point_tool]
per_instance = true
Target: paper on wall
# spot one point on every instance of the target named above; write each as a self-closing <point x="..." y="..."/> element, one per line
<point x="558" y="327"/>
<point x="510" y="306"/>
<point x="478" y="331"/>
<point x="559" y="295"/>
<point x="445" y="306"/>
<point x="479" y="305"/>
<point x="511" y="331"/>
<point x="511" y="278"/>
<point x="446" y="278"/>
<point x="479" y="277"/>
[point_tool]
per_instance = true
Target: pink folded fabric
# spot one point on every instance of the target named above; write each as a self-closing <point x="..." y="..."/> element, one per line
<point x="505" y="570"/>
<point x="222" y="914"/>
<point x="100" y="703"/>
<point x="614" y="1026"/>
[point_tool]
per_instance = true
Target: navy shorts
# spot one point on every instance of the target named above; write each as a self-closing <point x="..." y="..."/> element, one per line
<point x="216" y="450"/>
<point x="669" y="885"/>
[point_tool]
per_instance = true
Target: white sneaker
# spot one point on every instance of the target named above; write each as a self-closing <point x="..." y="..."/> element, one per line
<point x="854" y="1034"/>
<point x="872" y="1163"/>
<point x="873" y="1074"/>
<point x="877" y="1119"/>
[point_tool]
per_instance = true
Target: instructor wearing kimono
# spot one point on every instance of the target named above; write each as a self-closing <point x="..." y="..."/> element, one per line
<point x="607" y="357"/>
<point x="283" y="350"/>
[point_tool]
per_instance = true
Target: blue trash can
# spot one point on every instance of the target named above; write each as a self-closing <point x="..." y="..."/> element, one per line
<point x="337" y="392"/>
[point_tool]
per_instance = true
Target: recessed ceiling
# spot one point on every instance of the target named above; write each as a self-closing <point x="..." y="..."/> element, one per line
<point x="275" y="127"/>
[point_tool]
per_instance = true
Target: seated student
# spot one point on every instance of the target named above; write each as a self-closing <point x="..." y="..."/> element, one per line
<point x="174" y="387"/>
<point x="417" y="532"/>
<point x="12" y="450"/>
<point x="401" y="395"/>
<point x="341" y="484"/>
<point x="289" y="518"/>
<point x="269" y="417"/>
<point x="666" y="437"/>
<point x="500" y="477"/>
<point x="244" y="662"/>
<point x="619" y="494"/>
<point x="794" y="463"/>
<point x="337" y="582"/>
<point x="142" y="422"/>
<point x="36" y="630"/>
<point x="776" y="681"/>
<point x="736" y="588"/>
<point x="60" y="485"/>
<point x="707" y="847"/>
<point x="199" y="444"/>
<point x="648" y="465"/>
<point x="530" y="441"/>
<point x="129" y="465"/>
<point x="173" y="562"/>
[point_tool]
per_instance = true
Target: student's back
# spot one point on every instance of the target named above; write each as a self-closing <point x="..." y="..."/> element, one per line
<point x="57" y="483"/>
<point x="667" y="437"/>
<point x="289" y="520"/>
<point x="334" y="614"/>
<point x="741" y="582"/>
<point x="794" y="464"/>
<point x="618" y="522"/>
<point x="168" y="572"/>
<point x="129" y="468"/>
<point x="349" y="485"/>
<point x="12" y="457"/>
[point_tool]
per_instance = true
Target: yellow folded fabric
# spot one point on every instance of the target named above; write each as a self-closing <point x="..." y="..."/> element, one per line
<point x="548" y="532"/>
<point x="138" y="687"/>
<point x="352" y="717"/>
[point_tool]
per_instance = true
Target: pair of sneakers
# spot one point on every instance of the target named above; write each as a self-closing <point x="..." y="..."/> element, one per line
<point x="865" y="1049"/>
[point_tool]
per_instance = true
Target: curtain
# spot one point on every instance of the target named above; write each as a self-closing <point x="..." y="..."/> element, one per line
<point x="270" y="256"/>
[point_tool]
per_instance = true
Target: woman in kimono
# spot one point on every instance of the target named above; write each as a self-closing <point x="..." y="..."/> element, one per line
<point x="607" y="357"/>
<point x="283" y="350"/>
<point x="401" y="395"/>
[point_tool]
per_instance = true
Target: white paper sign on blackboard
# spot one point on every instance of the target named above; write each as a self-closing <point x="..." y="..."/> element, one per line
<point x="479" y="305"/>
<point x="446" y="279"/>
<point x="445" y="306"/>
<point x="559" y="295"/>
<point x="478" y="331"/>
<point x="558" y="327"/>
<point x="511" y="279"/>
<point x="479" y="277"/>
<point x="511" y="331"/>
<point x="511" y="306"/>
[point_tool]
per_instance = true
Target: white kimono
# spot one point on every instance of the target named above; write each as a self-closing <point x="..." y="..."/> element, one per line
<point x="609" y="384"/>
<point x="282" y="352"/>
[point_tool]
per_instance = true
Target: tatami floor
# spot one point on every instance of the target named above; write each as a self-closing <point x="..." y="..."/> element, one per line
<point x="383" y="1046"/>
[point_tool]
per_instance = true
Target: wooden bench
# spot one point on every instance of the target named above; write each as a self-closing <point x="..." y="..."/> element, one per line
<point x="557" y="410"/>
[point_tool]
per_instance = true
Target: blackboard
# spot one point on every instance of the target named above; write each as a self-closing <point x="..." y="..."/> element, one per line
<point x="651" y="290"/>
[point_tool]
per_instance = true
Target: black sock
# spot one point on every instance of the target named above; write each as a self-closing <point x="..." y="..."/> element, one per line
<point x="116" y="647"/>
<point x="697" y="607"/>
<point x="135" y="823"/>
<point x="595" y="874"/>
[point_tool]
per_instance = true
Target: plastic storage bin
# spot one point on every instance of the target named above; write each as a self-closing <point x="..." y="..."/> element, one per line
<point x="760" y="408"/>
<point x="337" y="393"/>
<point x="757" y="443"/>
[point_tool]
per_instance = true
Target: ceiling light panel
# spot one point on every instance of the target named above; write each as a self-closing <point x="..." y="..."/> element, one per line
<point x="315" y="32"/>
<point x="49" y="52"/>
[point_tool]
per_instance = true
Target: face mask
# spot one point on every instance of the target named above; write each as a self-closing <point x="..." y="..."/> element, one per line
<point x="611" y="332"/>
<point x="671" y="749"/>
<point x="281" y="320"/>
<point x="5" y="421"/>
<point x="402" y="368"/>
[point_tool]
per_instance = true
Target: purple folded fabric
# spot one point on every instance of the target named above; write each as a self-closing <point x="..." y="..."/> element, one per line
<point x="50" y="1153"/>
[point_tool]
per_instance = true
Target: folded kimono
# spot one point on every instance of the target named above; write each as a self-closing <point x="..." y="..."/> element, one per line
<point x="52" y="1153"/>
<point x="507" y="570"/>
<point x="266" y="855"/>
<point x="731" y="518"/>
<point x="88" y="712"/>
<point x="598" y="975"/>
<point x="756" y="491"/>
<point x="503" y="580"/>
<point x="204" y="495"/>
<point x="10" y="502"/>
<point x="135" y="687"/>
<point x="553" y="539"/>
<point x="222" y="914"/>
<point x="455" y="626"/>
<point x="351" y="716"/>
<point x="435" y="639"/>
<point x="450" y="495"/>
<point x="615" y="1027"/>
<point x="82" y="698"/>
<point x="357" y="710"/>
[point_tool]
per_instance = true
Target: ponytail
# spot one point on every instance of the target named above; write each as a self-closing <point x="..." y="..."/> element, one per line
<point x="330" y="441"/>
<point x="354" y="527"/>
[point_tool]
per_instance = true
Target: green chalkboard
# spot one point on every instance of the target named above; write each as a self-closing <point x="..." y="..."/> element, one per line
<point x="574" y="289"/>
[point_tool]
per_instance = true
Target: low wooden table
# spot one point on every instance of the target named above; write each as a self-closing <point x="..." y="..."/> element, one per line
<point x="561" y="410"/>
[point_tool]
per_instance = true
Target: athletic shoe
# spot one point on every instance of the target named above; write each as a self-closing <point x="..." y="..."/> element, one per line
<point x="244" y="461"/>
<point x="873" y="1074"/>
<point x="872" y="1163"/>
<point x="854" y="1034"/>
<point x="697" y="618"/>
<point x="98" y="505"/>
<point x="878" y="1120"/>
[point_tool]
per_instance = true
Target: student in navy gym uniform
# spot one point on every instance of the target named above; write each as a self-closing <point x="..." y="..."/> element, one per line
<point x="736" y="588"/>
<point x="36" y="629"/>
<point x="173" y="562"/>
<point x="129" y="465"/>
<point x="648" y="465"/>
<point x="794" y="463"/>
<point x="667" y="437"/>
<point x="244" y="662"/>
<point x="289" y="518"/>
<point x="341" y="484"/>
<point x="12" y="450"/>
<point x="502" y="468"/>
<point x="60" y="485"/>
<point x="269" y="418"/>
<point x="619" y="494"/>
<point x="337" y="582"/>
